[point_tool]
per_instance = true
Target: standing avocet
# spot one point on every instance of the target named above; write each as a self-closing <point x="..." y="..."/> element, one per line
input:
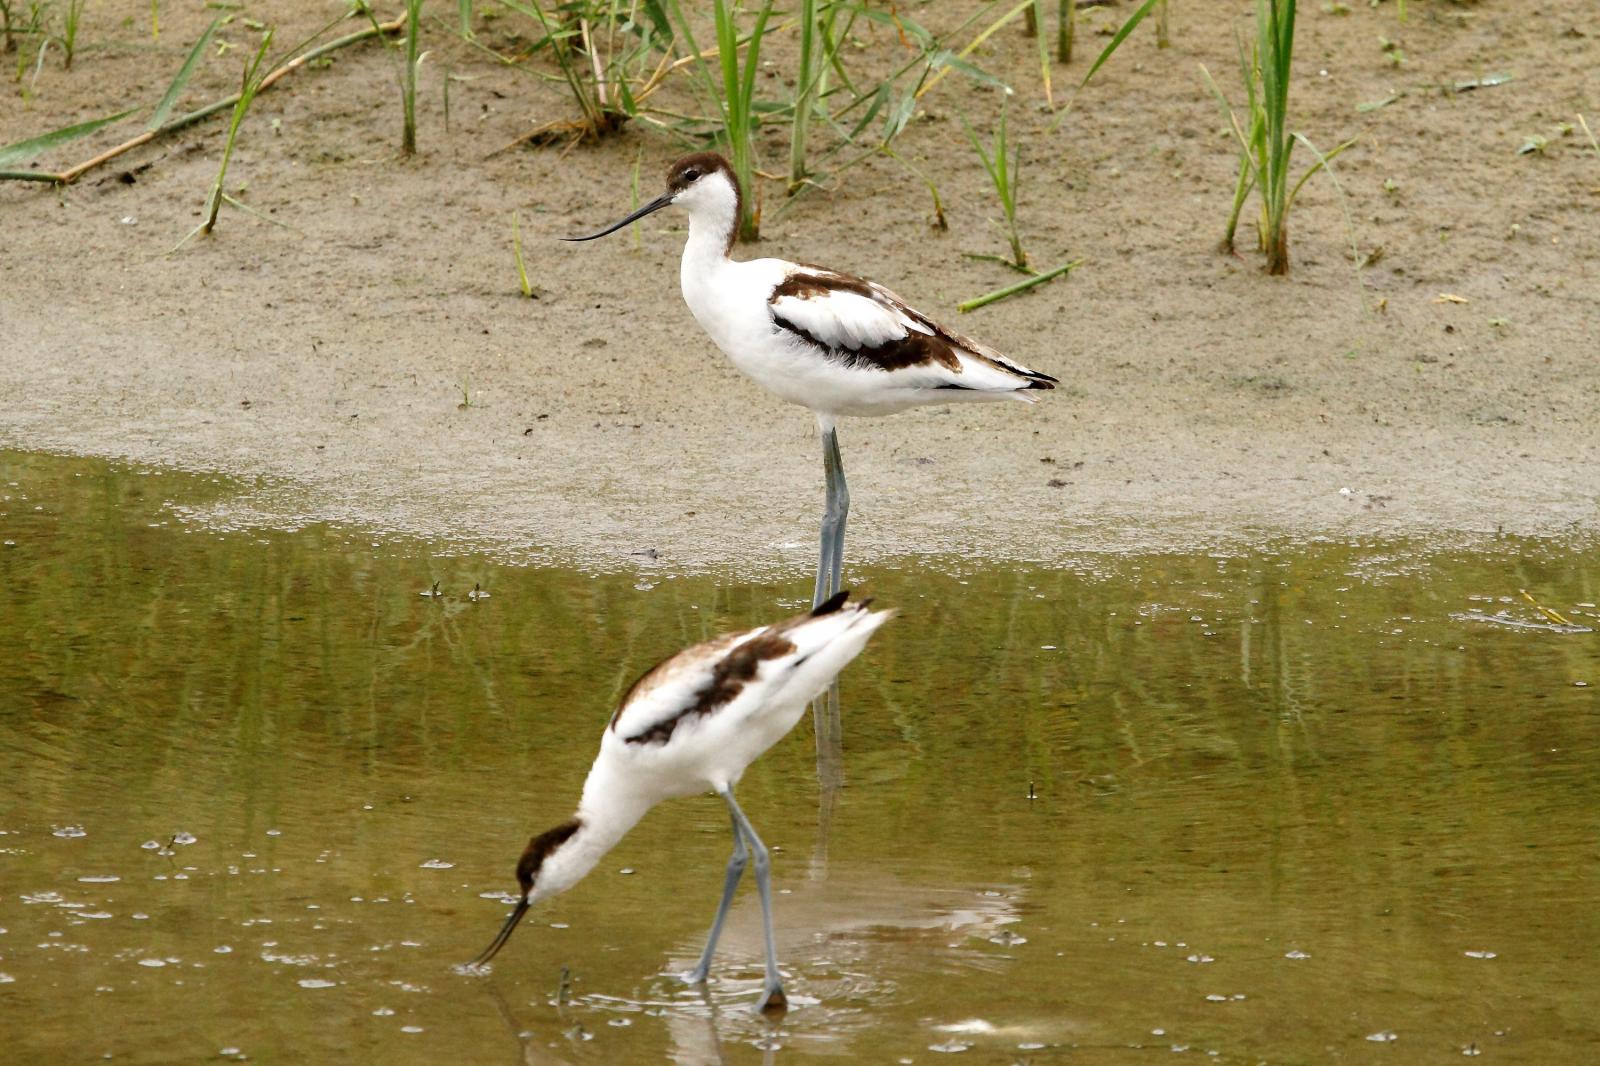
<point x="694" y="722"/>
<point x="824" y="340"/>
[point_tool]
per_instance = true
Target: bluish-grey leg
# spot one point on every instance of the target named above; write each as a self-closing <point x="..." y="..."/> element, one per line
<point x="772" y="997"/>
<point x="839" y="500"/>
<point x="736" y="864"/>
<point x="836" y="510"/>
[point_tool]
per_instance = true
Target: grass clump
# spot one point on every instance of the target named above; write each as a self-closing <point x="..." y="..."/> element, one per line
<point x="611" y="55"/>
<point x="1266" y="144"/>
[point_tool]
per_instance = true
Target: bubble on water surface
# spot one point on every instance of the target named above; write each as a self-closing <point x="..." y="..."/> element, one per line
<point x="1480" y="954"/>
<point x="438" y="864"/>
<point x="69" y="831"/>
<point x="154" y="964"/>
<point x="184" y="838"/>
<point x="315" y="982"/>
<point x="411" y="1029"/>
<point x="6" y="979"/>
<point x="950" y="1047"/>
<point x="41" y="897"/>
<point x="99" y="879"/>
<point x="1387" y="1036"/>
<point x="1295" y="954"/>
<point x="383" y="1012"/>
<point x="222" y="949"/>
<point x="1199" y="958"/>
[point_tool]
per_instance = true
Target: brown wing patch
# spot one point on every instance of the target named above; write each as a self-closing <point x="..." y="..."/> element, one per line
<point x="731" y="673"/>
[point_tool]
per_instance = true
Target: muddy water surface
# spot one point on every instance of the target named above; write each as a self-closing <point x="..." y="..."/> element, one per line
<point x="258" y="796"/>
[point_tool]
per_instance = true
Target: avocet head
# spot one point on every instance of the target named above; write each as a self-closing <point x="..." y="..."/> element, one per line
<point x="538" y="878"/>
<point x="703" y="184"/>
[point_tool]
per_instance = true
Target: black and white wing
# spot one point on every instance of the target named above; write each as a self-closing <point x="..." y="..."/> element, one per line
<point x="756" y="665"/>
<point x="861" y="324"/>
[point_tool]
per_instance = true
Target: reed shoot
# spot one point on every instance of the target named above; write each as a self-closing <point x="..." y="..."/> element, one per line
<point x="1003" y="164"/>
<point x="71" y="19"/>
<point x="806" y="84"/>
<point x="516" y="251"/>
<point x="249" y="85"/>
<point x="1266" y="144"/>
<point x="408" y="133"/>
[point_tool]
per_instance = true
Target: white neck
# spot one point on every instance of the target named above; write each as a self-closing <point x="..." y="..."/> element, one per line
<point x="713" y="213"/>
<point x="605" y="814"/>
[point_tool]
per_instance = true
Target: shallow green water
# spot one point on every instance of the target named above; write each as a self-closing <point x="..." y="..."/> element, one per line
<point x="1282" y="804"/>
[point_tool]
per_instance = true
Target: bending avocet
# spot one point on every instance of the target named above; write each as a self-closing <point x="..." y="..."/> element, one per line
<point x="828" y="341"/>
<point x="694" y="722"/>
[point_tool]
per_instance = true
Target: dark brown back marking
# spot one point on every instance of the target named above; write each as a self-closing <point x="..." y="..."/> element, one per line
<point x="728" y="678"/>
<point x="540" y="848"/>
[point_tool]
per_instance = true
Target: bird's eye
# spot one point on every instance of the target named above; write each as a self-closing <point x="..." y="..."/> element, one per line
<point x="691" y="174"/>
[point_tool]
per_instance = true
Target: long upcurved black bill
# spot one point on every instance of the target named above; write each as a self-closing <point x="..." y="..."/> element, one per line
<point x="504" y="934"/>
<point x="654" y="205"/>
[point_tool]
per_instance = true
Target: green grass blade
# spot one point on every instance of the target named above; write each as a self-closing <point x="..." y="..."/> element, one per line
<point x="21" y="151"/>
<point x="1120" y="36"/>
<point x="1321" y="163"/>
<point x="181" y="81"/>
<point x="983" y="153"/>
<point x="1022" y="286"/>
<point x="946" y="58"/>
<point x="1587" y="132"/>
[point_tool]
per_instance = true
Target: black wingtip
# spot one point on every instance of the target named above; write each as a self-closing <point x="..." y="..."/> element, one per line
<point x="831" y="604"/>
<point x="1040" y="383"/>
